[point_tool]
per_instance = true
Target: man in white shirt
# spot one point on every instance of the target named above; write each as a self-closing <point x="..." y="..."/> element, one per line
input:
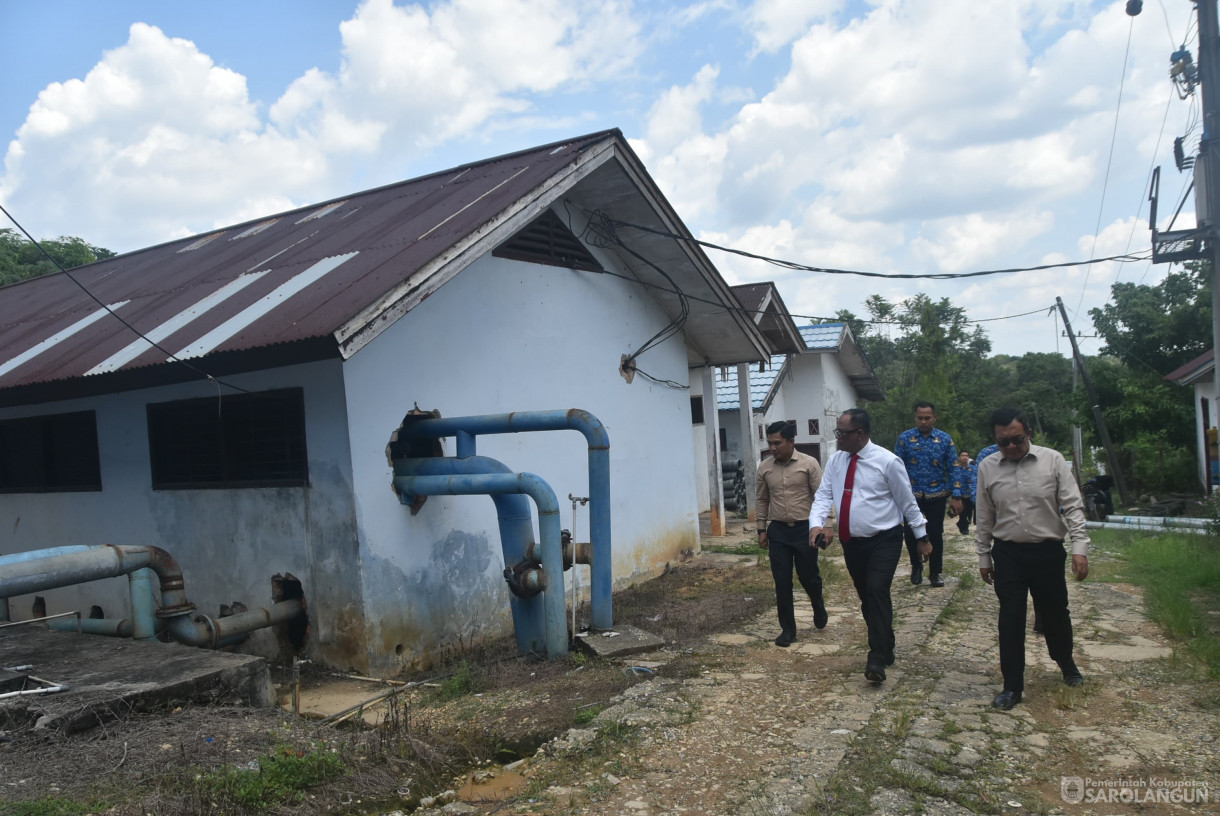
<point x="870" y="491"/>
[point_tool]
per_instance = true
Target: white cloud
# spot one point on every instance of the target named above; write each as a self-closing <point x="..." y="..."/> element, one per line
<point x="158" y="141"/>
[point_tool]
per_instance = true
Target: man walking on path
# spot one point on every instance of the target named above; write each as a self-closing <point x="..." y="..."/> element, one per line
<point x="1019" y="538"/>
<point x="929" y="456"/>
<point x="867" y="487"/>
<point x="786" y="484"/>
<point x="965" y="485"/>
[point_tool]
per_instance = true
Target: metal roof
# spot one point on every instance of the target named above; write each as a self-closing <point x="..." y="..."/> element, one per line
<point x="1201" y="368"/>
<point x="760" y="385"/>
<point x="822" y="336"/>
<point x="819" y="338"/>
<point x="322" y="281"/>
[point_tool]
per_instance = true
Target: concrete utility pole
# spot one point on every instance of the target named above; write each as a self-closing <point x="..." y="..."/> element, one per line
<point x="1111" y="456"/>
<point x="1207" y="183"/>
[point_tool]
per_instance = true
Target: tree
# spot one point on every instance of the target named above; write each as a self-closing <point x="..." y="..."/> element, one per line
<point x="1148" y="332"/>
<point x="21" y="259"/>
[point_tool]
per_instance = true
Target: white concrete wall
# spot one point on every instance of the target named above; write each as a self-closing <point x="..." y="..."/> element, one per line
<point x="699" y="442"/>
<point x="509" y="336"/>
<point x="228" y="542"/>
<point x="801" y="397"/>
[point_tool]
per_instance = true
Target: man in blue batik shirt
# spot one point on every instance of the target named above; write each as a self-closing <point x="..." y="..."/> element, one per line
<point x="929" y="456"/>
<point x="965" y="489"/>
<point x="984" y="453"/>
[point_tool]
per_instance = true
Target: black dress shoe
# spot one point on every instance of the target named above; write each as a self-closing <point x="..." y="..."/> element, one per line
<point x="1006" y="699"/>
<point x="935" y="580"/>
<point x="785" y="638"/>
<point x="820" y="617"/>
<point x="917" y="574"/>
<point x="874" y="673"/>
<point x="1076" y="679"/>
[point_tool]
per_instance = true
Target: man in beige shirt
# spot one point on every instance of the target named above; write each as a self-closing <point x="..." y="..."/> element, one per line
<point x="1019" y="536"/>
<point x="785" y="487"/>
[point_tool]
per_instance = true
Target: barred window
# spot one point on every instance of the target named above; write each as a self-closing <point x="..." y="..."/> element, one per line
<point x="50" y="454"/>
<point x="245" y="440"/>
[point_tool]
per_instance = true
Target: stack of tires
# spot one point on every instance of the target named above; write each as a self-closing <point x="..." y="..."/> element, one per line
<point x="734" y="481"/>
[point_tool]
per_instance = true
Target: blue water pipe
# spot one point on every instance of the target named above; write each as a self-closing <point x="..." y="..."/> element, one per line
<point x="516" y="534"/>
<point x="143" y="623"/>
<point x="498" y="484"/>
<point x="469" y="427"/>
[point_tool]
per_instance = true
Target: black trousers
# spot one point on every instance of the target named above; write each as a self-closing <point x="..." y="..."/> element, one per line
<point x="1023" y="570"/>
<point x="934" y="511"/>
<point x="788" y="548"/>
<point x="966" y="517"/>
<point x="872" y="562"/>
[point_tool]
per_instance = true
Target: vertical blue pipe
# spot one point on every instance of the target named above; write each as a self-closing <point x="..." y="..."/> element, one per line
<point x="516" y="533"/>
<point x="602" y="568"/>
<point x="548" y="526"/>
<point x="465" y="445"/>
<point x="143" y="608"/>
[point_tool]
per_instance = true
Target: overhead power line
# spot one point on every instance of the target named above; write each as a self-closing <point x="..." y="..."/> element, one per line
<point x="799" y="267"/>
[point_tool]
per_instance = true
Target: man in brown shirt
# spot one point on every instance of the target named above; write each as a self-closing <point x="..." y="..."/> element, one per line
<point x="1028" y="502"/>
<point x="785" y="488"/>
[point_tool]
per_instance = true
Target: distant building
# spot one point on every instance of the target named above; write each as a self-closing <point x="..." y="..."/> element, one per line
<point x="1200" y="373"/>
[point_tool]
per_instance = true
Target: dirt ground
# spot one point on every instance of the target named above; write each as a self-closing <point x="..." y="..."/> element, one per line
<point x="718" y="721"/>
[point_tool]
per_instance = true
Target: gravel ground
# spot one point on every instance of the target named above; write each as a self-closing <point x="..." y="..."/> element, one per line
<point x="721" y="721"/>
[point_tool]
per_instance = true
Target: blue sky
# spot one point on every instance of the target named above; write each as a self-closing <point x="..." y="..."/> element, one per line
<point x="895" y="136"/>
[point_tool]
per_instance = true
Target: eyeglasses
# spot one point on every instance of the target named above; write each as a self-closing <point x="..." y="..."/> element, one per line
<point x="839" y="433"/>
<point x="1012" y="441"/>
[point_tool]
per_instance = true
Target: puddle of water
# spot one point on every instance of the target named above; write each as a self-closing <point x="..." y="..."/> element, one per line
<point x="330" y="698"/>
<point x="503" y="785"/>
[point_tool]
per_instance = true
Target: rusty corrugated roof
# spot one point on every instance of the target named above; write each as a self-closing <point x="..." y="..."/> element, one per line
<point x="321" y="273"/>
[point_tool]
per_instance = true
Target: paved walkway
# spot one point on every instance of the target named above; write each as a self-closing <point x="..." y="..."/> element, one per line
<point x="764" y="730"/>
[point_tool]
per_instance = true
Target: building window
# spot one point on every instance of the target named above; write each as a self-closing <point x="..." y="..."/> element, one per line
<point x="246" y="440"/>
<point x="50" y="454"/>
<point x="696" y="410"/>
<point x="813" y="428"/>
<point x="762" y="431"/>
<point x="724" y="439"/>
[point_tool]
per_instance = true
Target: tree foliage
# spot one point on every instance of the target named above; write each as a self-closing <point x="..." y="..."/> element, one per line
<point x="21" y="259"/>
<point x="924" y="349"/>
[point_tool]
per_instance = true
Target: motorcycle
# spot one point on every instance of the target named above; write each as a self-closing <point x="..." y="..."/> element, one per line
<point x="1098" y="503"/>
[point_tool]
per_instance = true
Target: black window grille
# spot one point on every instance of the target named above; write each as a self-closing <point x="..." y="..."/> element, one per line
<point x="547" y="240"/>
<point x="245" y="440"/>
<point x="50" y="454"/>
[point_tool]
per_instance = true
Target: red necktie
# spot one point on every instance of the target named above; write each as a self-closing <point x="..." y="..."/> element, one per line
<point x="849" y="482"/>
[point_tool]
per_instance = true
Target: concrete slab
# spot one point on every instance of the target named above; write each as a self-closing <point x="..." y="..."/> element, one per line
<point x="107" y="677"/>
<point x="627" y="641"/>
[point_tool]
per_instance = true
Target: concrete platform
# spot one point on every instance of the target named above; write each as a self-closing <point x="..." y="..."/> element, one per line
<point x="109" y="677"/>
<point x="625" y="640"/>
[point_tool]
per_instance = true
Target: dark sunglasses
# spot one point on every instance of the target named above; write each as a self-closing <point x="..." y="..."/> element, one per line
<point x="839" y="434"/>
<point x="1011" y="442"/>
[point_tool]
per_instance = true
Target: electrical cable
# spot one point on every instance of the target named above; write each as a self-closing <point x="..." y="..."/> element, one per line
<point x="171" y="357"/>
<point x="799" y="267"/>
<point x="1109" y="160"/>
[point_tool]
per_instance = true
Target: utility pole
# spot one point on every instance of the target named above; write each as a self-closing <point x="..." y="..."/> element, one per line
<point x="1111" y="457"/>
<point x="1207" y="183"/>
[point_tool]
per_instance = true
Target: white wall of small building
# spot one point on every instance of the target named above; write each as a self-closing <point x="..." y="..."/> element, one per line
<point x="507" y="336"/>
<point x="229" y="542"/>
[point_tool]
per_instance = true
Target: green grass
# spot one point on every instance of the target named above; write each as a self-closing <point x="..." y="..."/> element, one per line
<point x="51" y="806"/>
<point x="466" y="679"/>
<point x="282" y="777"/>
<point x="1180" y="574"/>
<point x="746" y="547"/>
